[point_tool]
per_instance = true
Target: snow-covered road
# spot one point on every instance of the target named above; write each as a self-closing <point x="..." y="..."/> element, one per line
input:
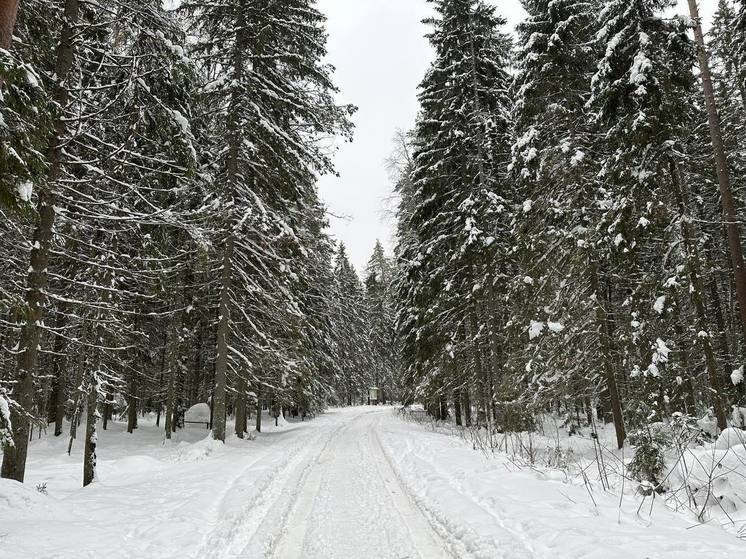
<point x="354" y="483"/>
<point x="342" y="499"/>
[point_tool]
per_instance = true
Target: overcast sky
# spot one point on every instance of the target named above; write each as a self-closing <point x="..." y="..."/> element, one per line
<point x="381" y="56"/>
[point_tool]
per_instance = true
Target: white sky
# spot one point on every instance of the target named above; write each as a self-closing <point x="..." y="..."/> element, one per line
<point x="381" y="56"/>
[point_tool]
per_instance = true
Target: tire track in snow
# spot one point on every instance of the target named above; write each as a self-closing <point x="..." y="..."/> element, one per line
<point x="236" y="529"/>
<point x="422" y="540"/>
<point x="279" y="503"/>
<point x="405" y="500"/>
<point x="468" y="541"/>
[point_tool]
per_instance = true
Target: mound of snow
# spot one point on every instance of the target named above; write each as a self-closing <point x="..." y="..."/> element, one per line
<point x="198" y="412"/>
<point x="730" y="438"/>
<point x="19" y="497"/>
<point x="715" y="475"/>
<point x="198" y="451"/>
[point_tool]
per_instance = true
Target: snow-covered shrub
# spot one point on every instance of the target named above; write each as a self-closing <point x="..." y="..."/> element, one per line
<point x="738" y="417"/>
<point x="709" y="424"/>
<point x="648" y="465"/>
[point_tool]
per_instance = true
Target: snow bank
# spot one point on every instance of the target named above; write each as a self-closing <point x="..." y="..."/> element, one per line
<point x="730" y="438"/>
<point x="715" y="480"/>
<point x="19" y="497"/>
<point x="496" y="507"/>
<point x="198" y="451"/>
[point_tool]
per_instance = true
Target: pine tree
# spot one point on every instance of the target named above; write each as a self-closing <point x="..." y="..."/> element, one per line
<point x="350" y="324"/>
<point x="379" y="294"/>
<point x="555" y="179"/>
<point x="273" y="90"/>
<point x="459" y="201"/>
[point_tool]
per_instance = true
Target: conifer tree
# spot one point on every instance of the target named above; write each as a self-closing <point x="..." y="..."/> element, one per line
<point x="459" y="202"/>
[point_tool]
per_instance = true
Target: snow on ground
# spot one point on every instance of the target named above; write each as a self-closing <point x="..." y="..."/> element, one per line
<point x="353" y="483"/>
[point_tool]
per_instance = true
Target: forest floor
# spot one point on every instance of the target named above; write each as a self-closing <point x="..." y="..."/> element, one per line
<point x="353" y="483"/>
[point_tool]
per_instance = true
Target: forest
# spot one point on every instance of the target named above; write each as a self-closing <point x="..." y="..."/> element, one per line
<point x="570" y="216"/>
<point x="163" y="242"/>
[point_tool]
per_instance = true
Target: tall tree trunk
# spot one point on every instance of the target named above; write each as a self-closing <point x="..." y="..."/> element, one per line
<point x="259" y="410"/>
<point x="602" y="329"/>
<point x="698" y="296"/>
<point x="221" y="362"/>
<point x="8" y="14"/>
<point x="173" y="362"/>
<point x="108" y="406"/>
<point x="79" y="381"/>
<point x="132" y="407"/>
<point x="457" y="406"/>
<point x="91" y="437"/>
<point x="14" y="458"/>
<point x="467" y="406"/>
<point x="723" y="171"/>
<point x="58" y="370"/>
<point x="240" y="419"/>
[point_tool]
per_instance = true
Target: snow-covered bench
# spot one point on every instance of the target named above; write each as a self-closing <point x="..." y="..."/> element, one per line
<point x="199" y="414"/>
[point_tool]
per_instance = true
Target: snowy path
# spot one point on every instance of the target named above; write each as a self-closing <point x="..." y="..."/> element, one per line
<point x="355" y="483"/>
<point x="348" y="503"/>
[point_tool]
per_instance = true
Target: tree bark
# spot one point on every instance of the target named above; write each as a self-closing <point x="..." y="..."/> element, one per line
<point x="132" y="407"/>
<point x="14" y="458"/>
<point x="698" y="297"/>
<point x="240" y="419"/>
<point x="58" y="369"/>
<point x="602" y="329"/>
<point x="172" y="372"/>
<point x="91" y="437"/>
<point x="723" y="172"/>
<point x="8" y="14"/>
<point x="259" y="410"/>
<point x="467" y="407"/>
<point x="457" y="406"/>
<point x="221" y="362"/>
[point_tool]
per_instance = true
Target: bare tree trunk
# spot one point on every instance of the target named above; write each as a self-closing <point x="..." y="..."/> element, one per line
<point x="14" y="458"/>
<point x="602" y="329"/>
<point x="173" y="361"/>
<point x="723" y="172"/>
<point x="240" y="424"/>
<point x="58" y="370"/>
<point x="107" y="409"/>
<point x="457" y="406"/>
<point x="132" y="407"/>
<point x="8" y="13"/>
<point x="259" y="410"/>
<point x="467" y="407"/>
<point x="79" y="379"/>
<point x="91" y="437"/>
<point x="221" y="364"/>
<point x="698" y="296"/>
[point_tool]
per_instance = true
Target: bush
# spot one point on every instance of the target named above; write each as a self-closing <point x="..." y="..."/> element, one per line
<point x="648" y="466"/>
